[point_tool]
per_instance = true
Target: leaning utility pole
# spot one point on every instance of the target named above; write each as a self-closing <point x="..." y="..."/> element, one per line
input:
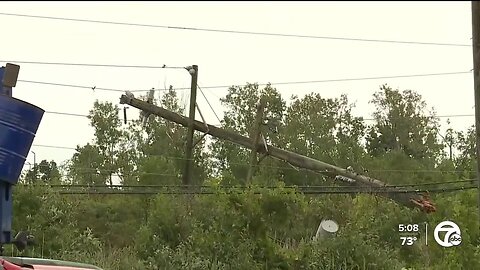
<point x="187" y="177"/>
<point x="476" y="82"/>
<point x="301" y="161"/>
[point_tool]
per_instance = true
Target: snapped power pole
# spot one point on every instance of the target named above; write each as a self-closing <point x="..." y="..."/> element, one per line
<point x="187" y="177"/>
<point x="476" y="83"/>
<point x="397" y="194"/>
<point x="255" y="136"/>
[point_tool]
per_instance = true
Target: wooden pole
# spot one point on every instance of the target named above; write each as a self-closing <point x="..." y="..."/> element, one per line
<point x="187" y="177"/>
<point x="255" y="136"/>
<point x="476" y="83"/>
<point x="290" y="157"/>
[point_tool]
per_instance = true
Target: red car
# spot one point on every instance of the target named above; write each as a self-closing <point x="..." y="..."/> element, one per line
<point x="20" y="263"/>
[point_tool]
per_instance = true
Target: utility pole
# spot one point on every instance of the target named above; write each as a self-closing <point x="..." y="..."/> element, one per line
<point x="255" y="136"/>
<point x="476" y="83"/>
<point x="187" y="177"/>
<point x="34" y="165"/>
<point x="301" y="161"/>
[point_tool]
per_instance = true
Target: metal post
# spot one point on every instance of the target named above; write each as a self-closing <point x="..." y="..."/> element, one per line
<point x="476" y="83"/>
<point x="187" y="177"/>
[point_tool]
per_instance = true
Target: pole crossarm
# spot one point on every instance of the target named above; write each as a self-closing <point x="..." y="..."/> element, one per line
<point x="187" y="176"/>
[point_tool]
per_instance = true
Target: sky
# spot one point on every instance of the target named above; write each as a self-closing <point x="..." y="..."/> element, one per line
<point x="227" y="58"/>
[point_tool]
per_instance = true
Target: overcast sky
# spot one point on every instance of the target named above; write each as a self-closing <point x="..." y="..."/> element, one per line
<point x="231" y="59"/>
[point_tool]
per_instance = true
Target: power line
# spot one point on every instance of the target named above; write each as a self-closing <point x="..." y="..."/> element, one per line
<point x="213" y="93"/>
<point x="263" y="187"/>
<point x="184" y="186"/>
<point x="84" y="169"/>
<point x="365" y="119"/>
<point x="238" y="32"/>
<point x="86" y="116"/>
<point x="305" y="192"/>
<point x="94" y="88"/>
<point x="54" y="146"/>
<point x="89" y="65"/>
<point x="210" y="87"/>
<point x="104" y="172"/>
<point x="438" y="116"/>
<point x="219" y="125"/>
<point x="436" y="183"/>
<point x="272" y="167"/>
<point x="210" y="105"/>
<point x="73" y="114"/>
<point x="67" y="114"/>
<point x="366" y="78"/>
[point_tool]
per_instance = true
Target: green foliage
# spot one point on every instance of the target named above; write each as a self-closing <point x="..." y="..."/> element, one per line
<point x="249" y="227"/>
<point x="85" y="166"/>
<point x="466" y="160"/>
<point x="323" y="129"/>
<point x="402" y="124"/>
<point x="45" y="171"/>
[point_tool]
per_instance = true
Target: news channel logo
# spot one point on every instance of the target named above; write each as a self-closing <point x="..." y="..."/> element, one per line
<point x="452" y="236"/>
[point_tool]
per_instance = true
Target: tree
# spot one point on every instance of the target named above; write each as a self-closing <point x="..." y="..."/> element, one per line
<point x="86" y="166"/>
<point x="46" y="171"/>
<point x="104" y="118"/>
<point x="107" y="156"/>
<point x="402" y="124"/>
<point x="465" y="161"/>
<point x="112" y="152"/>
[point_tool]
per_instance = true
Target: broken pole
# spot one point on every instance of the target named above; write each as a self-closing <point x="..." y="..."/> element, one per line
<point x="399" y="195"/>
<point x="255" y="136"/>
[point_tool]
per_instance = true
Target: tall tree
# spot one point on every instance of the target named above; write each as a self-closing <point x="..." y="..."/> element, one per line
<point x="402" y="123"/>
<point x="85" y="167"/>
<point x="46" y="171"/>
<point x="465" y="161"/>
<point x="108" y="155"/>
<point x="104" y="118"/>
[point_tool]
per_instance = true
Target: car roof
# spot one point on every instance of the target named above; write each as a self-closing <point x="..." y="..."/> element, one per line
<point x="52" y="267"/>
<point x="48" y="264"/>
